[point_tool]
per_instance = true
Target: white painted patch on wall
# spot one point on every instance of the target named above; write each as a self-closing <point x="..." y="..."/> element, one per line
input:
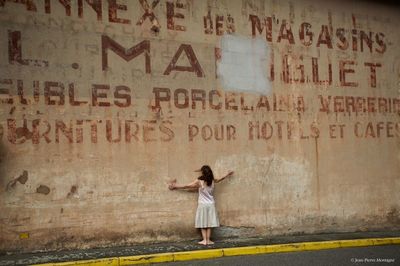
<point x="243" y="64"/>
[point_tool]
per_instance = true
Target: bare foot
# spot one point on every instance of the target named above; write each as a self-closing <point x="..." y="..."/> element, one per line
<point x="203" y="242"/>
<point x="210" y="242"/>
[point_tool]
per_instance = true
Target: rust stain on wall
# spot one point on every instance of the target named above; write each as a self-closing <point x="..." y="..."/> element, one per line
<point x="317" y="175"/>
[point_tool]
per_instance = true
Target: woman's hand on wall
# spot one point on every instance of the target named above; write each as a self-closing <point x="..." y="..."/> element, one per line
<point x="172" y="185"/>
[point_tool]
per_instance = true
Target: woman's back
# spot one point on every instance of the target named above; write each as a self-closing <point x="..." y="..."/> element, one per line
<point x="206" y="193"/>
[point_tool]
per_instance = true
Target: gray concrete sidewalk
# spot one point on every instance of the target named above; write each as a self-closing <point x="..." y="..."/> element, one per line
<point x="74" y="255"/>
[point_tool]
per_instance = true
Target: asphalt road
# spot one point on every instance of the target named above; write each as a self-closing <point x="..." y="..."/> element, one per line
<point x="363" y="256"/>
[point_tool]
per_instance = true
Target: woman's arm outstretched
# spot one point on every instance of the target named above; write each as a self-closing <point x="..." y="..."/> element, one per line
<point x="195" y="184"/>
<point x="217" y="180"/>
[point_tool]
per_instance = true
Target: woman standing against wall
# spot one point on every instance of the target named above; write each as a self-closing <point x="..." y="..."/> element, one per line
<point x="206" y="215"/>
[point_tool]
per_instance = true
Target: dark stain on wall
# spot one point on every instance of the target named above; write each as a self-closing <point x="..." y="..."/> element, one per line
<point x="73" y="191"/>
<point x="42" y="189"/>
<point x="12" y="110"/>
<point x="23" y="178"/>
<point x="393" y="216"/>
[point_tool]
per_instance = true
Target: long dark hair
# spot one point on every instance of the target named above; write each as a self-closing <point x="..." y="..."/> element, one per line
<point x="206" y="175"/>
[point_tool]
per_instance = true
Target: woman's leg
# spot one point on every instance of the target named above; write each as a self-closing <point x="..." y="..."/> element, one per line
<point x="204" y="235"/>
<point x="209" y="242"/>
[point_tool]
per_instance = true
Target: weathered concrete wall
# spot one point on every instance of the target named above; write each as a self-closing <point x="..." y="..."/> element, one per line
<point x="103" y="102"/>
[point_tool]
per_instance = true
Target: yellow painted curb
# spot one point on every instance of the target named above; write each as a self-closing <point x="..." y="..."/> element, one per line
<point x="142" y="259"/>
<point x="253" y="250"/>
<point x="225" y="252"/>
<point x="96" y="262"/>
<point x="198" y="254"/>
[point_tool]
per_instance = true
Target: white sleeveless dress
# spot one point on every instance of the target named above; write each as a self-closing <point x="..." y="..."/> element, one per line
<point x="206" y="215"/>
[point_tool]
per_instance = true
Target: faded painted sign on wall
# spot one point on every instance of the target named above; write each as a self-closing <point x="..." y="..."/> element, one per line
<point x="103" y="102"/>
